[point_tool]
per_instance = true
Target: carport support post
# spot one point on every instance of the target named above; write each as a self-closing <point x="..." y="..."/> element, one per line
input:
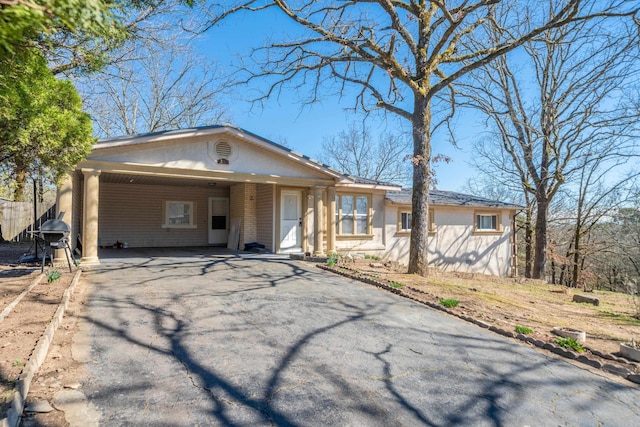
<point x="331" y="220"/>
<point x="64" y="203"/>
<point x="318" y="224"/>
<point x="90" y="217"/>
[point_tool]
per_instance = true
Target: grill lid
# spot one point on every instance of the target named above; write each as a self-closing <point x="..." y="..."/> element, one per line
<point x="55" y="226"/>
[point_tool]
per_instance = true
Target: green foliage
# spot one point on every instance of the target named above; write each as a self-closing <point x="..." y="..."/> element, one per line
<point x="332" y="260"/>
<point x="449" y="302"/>
<point x="569" y="343"/>
<point x="523" y="330"/>
<point x="396" y="285"/>
<point x="42" y="127"/>
<point x="53" y="275"/>
<point x="17" y="362"/>
<point x="43" y="21"/>
<point x="373" y="257"/>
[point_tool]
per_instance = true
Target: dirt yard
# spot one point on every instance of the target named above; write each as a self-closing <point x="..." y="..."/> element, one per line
<point x="24" y="325"/>
<point x="535" y="304"/>
<point x="504" y="303"/>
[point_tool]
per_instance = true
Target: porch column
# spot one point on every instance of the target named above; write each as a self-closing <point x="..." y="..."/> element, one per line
<point x="64" y="203"/>
<point x="331" y="220"/>
<point x="318" y="224"/>
<point x="90" y="217"/>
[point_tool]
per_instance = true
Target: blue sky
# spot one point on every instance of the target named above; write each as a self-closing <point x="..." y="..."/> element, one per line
<point x="303" y="128"/>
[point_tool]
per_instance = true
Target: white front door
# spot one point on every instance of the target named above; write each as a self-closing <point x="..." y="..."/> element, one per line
<point x="218" y="220"/>
<point x="291" y="221"/>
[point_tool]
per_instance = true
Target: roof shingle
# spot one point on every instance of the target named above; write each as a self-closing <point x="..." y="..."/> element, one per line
<point x="448" y="198"/>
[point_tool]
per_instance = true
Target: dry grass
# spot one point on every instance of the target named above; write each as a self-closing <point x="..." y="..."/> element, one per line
<point x="535" y="304"/>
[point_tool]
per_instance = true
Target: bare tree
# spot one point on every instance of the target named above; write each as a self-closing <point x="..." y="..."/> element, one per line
<point x="569" y="119"/>
<point x="129" y="23"/>
<point x="356" y="152"/>
<point x="401" y="55"/>
<point x="159" y="86"/>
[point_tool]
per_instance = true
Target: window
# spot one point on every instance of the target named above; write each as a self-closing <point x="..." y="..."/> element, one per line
<point x="179" y="215"/>
<point x="487" y="222"/>
<point x="404" y="221"/>
<point x="352" y="215"/>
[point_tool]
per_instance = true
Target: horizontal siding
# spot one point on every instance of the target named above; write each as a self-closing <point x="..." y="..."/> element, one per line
<point x="135" y="214"/>
<point x="264" y="211"/>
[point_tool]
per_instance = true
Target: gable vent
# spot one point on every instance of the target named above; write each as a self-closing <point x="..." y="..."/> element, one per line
<point x="223" y="150"/>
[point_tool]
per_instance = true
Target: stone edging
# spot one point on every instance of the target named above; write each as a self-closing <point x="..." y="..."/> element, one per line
<point x="12" y="418"/>
<point x="616" y="369"/>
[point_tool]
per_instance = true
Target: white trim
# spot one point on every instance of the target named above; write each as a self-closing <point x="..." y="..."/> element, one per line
<point x="210" y="219"/>
<point x="192" y="213"/>
<point x="299" y="232"/>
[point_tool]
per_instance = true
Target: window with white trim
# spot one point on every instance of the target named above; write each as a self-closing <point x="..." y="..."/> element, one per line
<point x="179" y="215"/>
<point x="352" y="215"/>
<point x="404" y="221"/>
<point x="487" y="222"/>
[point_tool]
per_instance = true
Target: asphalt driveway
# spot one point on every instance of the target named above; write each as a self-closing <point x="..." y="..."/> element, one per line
<point x="183" y="339"/>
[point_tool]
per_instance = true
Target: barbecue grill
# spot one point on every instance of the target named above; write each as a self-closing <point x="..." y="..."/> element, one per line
<point x="55" y="234"/>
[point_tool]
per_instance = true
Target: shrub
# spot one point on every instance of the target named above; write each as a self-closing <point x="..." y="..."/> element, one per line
<point x="53" y="275"/>
<point x="449" y="302"/>
<point x="569" y="343"/>
<point x="523" y="330"/>
<point x="332" y="259"/>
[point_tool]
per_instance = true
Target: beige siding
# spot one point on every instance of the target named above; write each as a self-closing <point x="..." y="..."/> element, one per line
<point x="196" y="153"/>
<point x="264" y="212"/>
<point x="374" y="245"/>
<point x="454" y="246"/>
<point x="136" y="213"/>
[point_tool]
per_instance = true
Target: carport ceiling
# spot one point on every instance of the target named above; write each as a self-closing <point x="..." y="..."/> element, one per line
<point x="154" y="180"/>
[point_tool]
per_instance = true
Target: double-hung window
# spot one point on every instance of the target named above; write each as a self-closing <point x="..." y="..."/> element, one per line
<point x="487" y="222"/>
<point x="353" y="215"/>
<point x="179" y="215"/>
<point x="404" y="221"/>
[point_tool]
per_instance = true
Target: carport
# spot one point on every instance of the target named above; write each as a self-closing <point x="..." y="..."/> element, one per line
<point x="217" y="186"/>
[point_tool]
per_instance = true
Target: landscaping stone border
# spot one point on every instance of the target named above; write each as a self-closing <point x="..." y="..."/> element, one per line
<point x="629" y="370"/>
<point x="39" y="354"/>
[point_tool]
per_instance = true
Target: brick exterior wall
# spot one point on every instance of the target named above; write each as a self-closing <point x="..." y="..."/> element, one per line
<point x="243" y="209"/>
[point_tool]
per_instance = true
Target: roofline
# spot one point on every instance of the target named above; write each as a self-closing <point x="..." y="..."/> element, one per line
<point x="130" y="140"/>
<point x="508" y="208"/>
<point x="382" y="187"/>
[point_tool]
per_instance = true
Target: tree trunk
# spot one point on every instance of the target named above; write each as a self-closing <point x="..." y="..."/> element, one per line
<point x="18" y="191"/>
<point x="540" y="254"/>
<point x="576" y="258"/>
<point x="528" y="241"/>
<point x="418" y="254"/>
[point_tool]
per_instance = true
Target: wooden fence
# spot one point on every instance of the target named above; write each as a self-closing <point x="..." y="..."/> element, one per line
<point x="16" y="219"/>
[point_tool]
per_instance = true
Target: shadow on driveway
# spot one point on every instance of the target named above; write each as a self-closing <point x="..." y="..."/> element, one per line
<point x="244" y="339"/>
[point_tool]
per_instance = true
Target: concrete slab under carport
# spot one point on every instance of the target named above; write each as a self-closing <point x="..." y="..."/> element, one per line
<point x="113" y="257"/>
<point x="247" y="339"/>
